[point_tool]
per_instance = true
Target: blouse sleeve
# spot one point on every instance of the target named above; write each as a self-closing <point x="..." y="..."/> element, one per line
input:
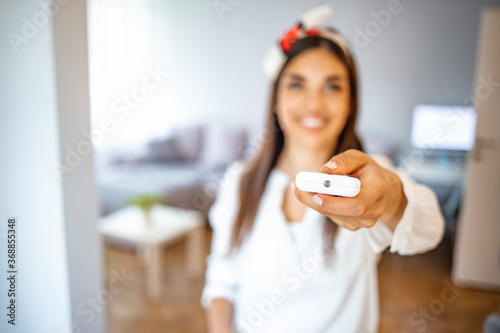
<point x="420" y="229"/>
<point x="220" y="277"/>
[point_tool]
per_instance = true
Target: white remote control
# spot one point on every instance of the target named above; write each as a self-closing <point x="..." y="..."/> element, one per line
<point x="319" y="182"/>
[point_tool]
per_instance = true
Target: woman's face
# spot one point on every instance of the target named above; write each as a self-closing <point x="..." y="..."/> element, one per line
<point x="313" y="99"/>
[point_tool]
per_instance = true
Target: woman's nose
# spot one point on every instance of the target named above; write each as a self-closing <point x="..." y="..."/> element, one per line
<point x="315" y="100"/>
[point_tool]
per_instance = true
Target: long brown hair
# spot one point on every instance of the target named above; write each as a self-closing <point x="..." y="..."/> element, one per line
<point x="258" y="169"/>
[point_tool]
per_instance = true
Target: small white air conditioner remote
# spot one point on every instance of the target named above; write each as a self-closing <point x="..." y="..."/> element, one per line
<point x="319" y="182"/>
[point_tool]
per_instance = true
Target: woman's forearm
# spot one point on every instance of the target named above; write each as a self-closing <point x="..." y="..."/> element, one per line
<point x="220" y="316"/>
<point x="397" y="202"/>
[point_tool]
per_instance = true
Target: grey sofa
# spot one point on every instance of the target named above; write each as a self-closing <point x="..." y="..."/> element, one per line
<point x="184" y="167"/>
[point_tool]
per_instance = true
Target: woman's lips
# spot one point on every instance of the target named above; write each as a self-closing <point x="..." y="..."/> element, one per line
<point x="313" y="122"/>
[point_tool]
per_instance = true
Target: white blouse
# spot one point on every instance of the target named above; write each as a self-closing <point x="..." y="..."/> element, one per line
<point x="278" y="280"/>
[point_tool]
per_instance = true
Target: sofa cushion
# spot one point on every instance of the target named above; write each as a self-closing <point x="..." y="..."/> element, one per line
<point x="222" y="145"/>
<point x="183" y="145"/>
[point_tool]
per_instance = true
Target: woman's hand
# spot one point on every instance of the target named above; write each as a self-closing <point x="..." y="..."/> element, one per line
<point x="220" y="316"/>
<point x="381" y="196"/>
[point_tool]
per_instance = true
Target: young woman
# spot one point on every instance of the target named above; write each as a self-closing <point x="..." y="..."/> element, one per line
<point x="284" y="260"/>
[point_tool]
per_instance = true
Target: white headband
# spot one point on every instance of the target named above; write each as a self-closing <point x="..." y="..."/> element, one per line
<point x="308" y="26"/>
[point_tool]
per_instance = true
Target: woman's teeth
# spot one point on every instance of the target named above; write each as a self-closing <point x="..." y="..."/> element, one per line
<point x="313" y="122"/>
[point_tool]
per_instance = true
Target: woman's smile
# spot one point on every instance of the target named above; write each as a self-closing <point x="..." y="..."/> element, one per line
<point x="312" y="122"/>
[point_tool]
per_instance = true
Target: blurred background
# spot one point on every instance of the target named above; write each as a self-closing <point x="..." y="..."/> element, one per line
<point x="120" y="117"/>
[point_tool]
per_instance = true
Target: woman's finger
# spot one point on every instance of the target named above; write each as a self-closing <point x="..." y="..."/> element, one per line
<point x="347" y="220"/>
<point x="369" y="206"/>
<point x="359" y="222"/>
<point x="344" y="224"/>
<point x="346" y="163"/>
<point x="338" y="206"/>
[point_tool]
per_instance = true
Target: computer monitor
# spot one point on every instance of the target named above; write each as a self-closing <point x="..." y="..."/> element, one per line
<point x="443" y="127"/>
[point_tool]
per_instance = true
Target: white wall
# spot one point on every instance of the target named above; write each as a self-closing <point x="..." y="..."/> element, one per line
<point x="424" y="55"/>
<point x="44" y="107"/>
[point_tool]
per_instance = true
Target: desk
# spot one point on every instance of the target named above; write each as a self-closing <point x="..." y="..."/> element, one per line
<point x="445" y="176"/>
<point x="168" y="225"/>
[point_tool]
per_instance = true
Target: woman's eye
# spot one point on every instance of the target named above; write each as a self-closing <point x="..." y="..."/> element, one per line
<point x="295" y="85"/>
<point x="333" y="87"/>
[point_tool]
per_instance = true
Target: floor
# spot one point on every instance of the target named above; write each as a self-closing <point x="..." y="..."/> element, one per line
<point x="416" y="295"/>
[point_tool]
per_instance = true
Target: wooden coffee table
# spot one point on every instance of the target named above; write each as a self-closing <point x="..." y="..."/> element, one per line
<point x="168" y="225"/>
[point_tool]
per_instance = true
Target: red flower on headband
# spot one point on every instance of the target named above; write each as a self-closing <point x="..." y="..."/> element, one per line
<point x="293" y="35"/>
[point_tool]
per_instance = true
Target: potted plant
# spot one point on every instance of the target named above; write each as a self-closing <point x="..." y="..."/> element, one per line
<point x="146" y="203"/>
